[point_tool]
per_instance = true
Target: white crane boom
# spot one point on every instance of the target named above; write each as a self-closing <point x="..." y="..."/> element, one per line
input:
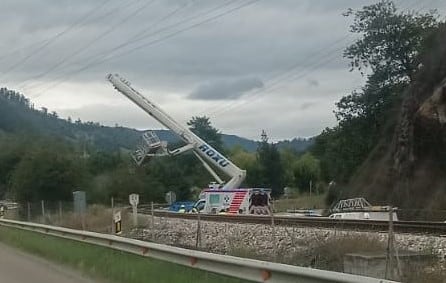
<point x="199" y="146"/>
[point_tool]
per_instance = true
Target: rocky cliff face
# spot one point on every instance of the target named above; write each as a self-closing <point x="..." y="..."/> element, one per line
<point x="408" y="167"/>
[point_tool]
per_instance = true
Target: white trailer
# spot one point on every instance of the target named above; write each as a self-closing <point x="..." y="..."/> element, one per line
<point x="235" y="201"/>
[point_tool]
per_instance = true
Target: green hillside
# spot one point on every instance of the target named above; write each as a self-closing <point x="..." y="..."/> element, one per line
<point x="19" y="115"/>
<point x="45" y="157"/>
<point x="390" y="143"/>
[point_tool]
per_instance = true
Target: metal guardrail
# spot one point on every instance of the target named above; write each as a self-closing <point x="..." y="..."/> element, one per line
<point x="417" y="227"/>
<point x="246" y="269"/>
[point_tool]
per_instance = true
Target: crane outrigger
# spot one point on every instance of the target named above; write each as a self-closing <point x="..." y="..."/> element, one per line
<point x="224" y="196"/>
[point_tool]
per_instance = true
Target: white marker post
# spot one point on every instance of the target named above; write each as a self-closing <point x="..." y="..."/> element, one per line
<point x="118" y="222"/>
<point x="134" y="200"/>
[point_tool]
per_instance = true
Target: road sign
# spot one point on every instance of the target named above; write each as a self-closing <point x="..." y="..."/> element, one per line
<point x="80" y="202"/>
<point x="118" y="222"/>
<point x="171" y="197"/>
<point x="134" y="199"/>
<point x="286" y="192"/>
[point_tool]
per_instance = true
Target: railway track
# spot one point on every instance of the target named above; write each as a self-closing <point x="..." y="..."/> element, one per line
<point x="412" y="227"/>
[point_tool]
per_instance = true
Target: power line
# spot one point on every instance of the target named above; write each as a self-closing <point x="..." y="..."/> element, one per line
<point x="153" y="42"/>
<point x="288" y="73"/>
<point x="90" y="43"/>
<point x="237" y="104"/>
<point x="54" y="38"/>
<point x="276" y="86"/>
<point x="141" y="35"/>
<point x="32" y="45"/>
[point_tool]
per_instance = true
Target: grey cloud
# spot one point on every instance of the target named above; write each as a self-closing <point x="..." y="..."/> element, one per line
<point x="307" y="105"/>
<point x="125" y="115"/>
<point x="259" y="41"/>
<point x="225" y="89"/>
<point x="313" y="82"/>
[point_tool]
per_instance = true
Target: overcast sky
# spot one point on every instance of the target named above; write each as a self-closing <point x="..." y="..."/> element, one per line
<point x="249" y="65"/>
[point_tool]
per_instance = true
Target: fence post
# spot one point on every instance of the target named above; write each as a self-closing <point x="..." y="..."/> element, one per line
<point x="60" y="212"/>
<point x="135" y="215"/>
<point x="29" y="211"/>
<point x="198" y="236"/>
<point x="43" y="210"/>
<point x="392" y="251"/>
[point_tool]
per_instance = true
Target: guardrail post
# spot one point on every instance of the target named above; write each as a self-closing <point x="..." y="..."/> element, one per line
<point x="112" y="216"/>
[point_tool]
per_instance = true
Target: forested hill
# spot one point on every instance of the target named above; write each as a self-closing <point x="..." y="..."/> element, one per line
<point x="17" y="114"/>
<point x="390" y="143"/>
<point x="408" y="166"/>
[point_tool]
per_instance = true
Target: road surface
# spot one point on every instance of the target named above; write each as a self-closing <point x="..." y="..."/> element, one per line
<point x="19" y="267"/>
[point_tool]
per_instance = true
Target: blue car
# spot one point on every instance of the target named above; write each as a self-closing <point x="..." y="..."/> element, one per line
<point x="175" y="207"/>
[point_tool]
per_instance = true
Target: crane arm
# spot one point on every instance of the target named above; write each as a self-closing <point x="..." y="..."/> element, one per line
<point x="200" y="147"/>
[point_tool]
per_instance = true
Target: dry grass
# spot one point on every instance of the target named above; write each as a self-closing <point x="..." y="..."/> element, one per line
<point x="435" y="273"/>
<point x="300" y="202"/>
<point x="322" y="253"/>
<point x="97" y="219"/>
<point x="329" y="253"/>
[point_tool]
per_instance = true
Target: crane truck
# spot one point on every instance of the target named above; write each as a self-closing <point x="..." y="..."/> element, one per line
<point x="220" y="196"/>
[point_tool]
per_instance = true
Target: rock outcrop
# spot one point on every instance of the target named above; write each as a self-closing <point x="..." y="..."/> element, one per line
<point x="408" y="168"/>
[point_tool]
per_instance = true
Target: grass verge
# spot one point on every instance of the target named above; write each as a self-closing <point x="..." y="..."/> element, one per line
<point x="103" y="263"/>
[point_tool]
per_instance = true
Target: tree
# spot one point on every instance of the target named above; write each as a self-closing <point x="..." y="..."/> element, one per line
<point x="387" y="50"/>
<point x="306" y="170"/>
<point x="288" y="157"/>
<point x="246" y="161"/>
<point x="99" y="162"/>
<point x="48" y="171"/>
<point x="389" y="46"/>
<point x="270" y="166"/>
<point x="390" y="40"/>
<point x="12" y="150"/>
<point x="201" y="126"/>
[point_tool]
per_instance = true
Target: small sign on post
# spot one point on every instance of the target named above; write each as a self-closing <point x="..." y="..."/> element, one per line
<point x="2" y="210"/>
<point x="134" y="200"/>
<point x="80" y="206"/>
<point x="118" y="223"/>
<point x="171" y="197"/>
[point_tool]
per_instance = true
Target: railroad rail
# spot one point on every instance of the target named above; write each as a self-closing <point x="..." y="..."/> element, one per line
<point x="242" y="268"/>
<point x="413" y="227"/>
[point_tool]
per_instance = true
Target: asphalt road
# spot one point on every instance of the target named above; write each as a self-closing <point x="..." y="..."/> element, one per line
<point x="19" y="267"/>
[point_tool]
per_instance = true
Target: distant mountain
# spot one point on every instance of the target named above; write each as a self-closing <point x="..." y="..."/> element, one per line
<point x="229" y="141"/>
<point x="232" y="140"/>
<point x="17" y="114"/>
<point x="297" y="144"/>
